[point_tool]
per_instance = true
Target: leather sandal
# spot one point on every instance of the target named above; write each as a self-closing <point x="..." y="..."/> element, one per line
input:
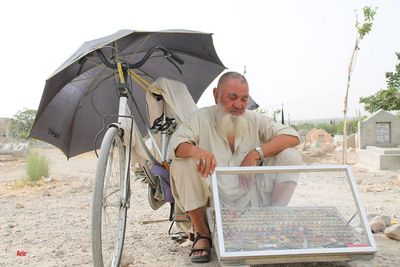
<point x="201" y="258"/>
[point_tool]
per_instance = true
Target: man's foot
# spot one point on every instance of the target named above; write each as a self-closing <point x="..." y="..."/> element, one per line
<point x="201" y="249"/>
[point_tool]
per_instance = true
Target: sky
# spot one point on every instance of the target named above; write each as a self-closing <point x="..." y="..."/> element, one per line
<point x="296" y="53"/>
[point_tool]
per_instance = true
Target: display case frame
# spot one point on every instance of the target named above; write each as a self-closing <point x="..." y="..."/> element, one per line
<point x="288" y="255"/>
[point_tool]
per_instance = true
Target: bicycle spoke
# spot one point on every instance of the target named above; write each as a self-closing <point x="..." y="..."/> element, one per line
<point x="112" y="197"/>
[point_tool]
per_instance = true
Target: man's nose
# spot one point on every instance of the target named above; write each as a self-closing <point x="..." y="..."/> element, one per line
<point x="238" y="104"/>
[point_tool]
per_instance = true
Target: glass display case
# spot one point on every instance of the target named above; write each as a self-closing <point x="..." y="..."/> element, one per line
<point x="288" y="214"/>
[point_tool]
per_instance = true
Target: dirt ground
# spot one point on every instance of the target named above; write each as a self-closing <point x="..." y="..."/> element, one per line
<point x="49" y="225"/>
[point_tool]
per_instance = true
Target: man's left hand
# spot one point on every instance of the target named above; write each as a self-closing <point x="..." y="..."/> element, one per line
<point x="250" y="159"/>
<point x="247" y="180"/>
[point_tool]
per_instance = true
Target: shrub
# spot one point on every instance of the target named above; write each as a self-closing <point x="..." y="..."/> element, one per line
<point x="37" y="166"/>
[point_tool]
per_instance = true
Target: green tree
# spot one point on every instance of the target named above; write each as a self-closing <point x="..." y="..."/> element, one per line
<point x="22" y="122"/>
<point x="389" y="98"/>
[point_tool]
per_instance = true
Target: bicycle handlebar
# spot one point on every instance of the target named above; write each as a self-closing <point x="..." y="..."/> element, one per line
<point x="167" y="54"/>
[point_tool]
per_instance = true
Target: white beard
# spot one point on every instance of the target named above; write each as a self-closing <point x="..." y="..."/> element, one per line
<point x="228" y="124"/>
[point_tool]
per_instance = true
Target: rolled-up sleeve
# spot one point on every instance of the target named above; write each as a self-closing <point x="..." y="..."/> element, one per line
<point x="188" y="132"/>
<point x="269" y="128"/>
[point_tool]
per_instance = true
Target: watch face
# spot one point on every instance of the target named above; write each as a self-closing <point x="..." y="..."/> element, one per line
<point x="260" y="152"/>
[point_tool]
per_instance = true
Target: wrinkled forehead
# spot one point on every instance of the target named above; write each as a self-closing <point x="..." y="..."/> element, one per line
<point x="234" y="86"/>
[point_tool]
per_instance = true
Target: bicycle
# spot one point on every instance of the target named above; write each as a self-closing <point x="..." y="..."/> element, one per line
<point x="112" y="184"/>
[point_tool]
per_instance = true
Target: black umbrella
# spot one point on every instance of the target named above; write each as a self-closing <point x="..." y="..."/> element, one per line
<point x="82" y="90"/>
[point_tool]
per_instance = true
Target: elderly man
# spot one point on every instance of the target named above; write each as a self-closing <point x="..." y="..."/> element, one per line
<point x="228" y="134"/>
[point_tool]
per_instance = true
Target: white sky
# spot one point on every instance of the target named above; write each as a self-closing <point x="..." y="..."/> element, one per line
<point x="296" y="52"/>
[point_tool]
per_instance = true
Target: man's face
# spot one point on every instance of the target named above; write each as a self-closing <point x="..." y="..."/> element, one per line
<point x="234" y="97"/>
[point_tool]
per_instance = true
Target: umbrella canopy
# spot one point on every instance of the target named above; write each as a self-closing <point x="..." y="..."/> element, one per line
<point x="83" y="90"/>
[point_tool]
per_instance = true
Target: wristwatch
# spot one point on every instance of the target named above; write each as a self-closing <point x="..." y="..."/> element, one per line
<point x="260" y="152"/>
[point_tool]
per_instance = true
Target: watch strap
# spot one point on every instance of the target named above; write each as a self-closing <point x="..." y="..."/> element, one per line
<point x="260" y="152"/>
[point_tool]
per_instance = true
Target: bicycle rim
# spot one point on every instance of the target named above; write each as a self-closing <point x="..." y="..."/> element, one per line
<point x="108" y="211"/>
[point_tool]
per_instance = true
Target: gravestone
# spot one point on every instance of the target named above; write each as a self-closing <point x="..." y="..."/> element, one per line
<point x="381" y="129"/>
<point x="379" y="141"/>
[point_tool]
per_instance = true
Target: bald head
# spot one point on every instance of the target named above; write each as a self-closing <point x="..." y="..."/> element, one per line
<point x="231" y="75"/>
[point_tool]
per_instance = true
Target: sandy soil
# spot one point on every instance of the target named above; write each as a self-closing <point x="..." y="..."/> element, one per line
<point x="49" y="225"/>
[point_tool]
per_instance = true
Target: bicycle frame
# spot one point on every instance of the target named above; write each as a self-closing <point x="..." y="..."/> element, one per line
<point x="112" y="171"/>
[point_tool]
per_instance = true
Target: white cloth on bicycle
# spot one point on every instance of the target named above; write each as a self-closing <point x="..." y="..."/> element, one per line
<point x="177" y="103"/>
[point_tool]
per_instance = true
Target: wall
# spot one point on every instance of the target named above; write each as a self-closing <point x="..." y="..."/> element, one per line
<point x="367" y="130"/>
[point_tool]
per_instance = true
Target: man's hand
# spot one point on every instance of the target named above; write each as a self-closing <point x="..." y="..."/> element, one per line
<point x="250" y="159"/>
<point x="247" y="180"/>
<point x="206" y="162"/>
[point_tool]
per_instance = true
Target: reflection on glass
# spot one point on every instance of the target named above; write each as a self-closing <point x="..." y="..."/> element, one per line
<point x="287" y="228"/>
<point x="295" y="211"/>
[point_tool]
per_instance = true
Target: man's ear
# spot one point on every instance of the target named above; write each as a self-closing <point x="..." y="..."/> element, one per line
<point x="215" y="92"/>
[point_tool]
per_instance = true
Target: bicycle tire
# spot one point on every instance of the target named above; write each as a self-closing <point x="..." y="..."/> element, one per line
<point x="107" y="251"/>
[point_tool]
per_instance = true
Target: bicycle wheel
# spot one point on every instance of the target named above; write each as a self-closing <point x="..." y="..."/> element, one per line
<point x="111" y="191"/>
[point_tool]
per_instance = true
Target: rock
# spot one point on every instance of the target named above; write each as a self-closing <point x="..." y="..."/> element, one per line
<point x="387" y="220"/>
<point x="19" y="206"/>
<point x="73" y="191"/>
<point x="47" y="180"/>
<point x="126" y="259"/>
<point x="393" y="232"/>
<point x="60" y="253"/>
<point x="187" y="243"/>
<point x="377" y="224"/>
<point x="173" y="249"/>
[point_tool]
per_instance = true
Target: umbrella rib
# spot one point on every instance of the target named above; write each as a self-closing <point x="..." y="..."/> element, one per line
<point x="90" y="78"/>
<point x="80" y="105"/>
<point x="96" y="77"/>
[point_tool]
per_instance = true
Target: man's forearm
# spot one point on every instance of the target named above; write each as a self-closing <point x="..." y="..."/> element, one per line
<point x="185" y="150"/>
<point x="279" y="143"/>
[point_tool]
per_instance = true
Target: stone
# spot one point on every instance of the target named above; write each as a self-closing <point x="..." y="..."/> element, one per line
<point x="19" y="206"/>
<point x="377" y="224"/>
<point x="59" y="253"/>
<point x="393" y="232"/>
<point x="126" y="259"/>
<point x="173" y="249"/>
<point x="387" y="220"/>
<point x="47" y="180"/>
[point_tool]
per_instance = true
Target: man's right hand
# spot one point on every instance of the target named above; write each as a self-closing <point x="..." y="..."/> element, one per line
<point x="205" y="160"/>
